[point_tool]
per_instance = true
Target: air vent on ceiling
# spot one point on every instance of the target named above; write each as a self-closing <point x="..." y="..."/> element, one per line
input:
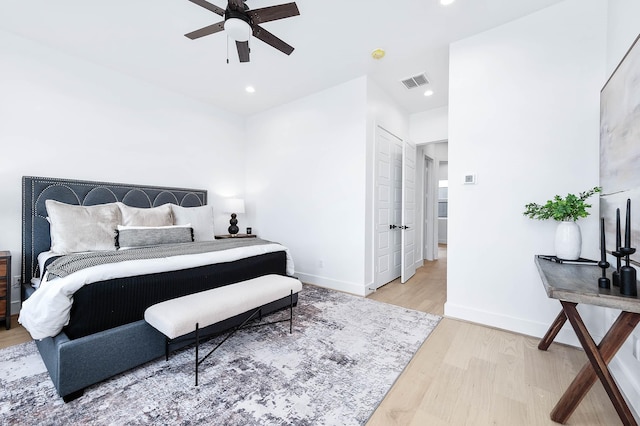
<point x="415" y="81"/>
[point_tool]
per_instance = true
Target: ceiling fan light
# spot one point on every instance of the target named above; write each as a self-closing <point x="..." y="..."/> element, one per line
<point x="237" y="29"/>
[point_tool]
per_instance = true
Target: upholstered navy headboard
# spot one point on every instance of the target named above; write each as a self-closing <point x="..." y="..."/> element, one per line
<point x="35" y="190"/>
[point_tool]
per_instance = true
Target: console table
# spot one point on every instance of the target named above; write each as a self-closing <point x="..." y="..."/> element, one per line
<point x="573" y="284"/>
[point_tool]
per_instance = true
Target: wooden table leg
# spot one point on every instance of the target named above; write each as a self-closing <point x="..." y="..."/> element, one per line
<point x="599" y="357"/>
<point x="552" y="332"/>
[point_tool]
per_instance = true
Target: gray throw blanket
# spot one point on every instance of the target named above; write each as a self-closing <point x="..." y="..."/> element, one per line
<point x="71" y="263"/>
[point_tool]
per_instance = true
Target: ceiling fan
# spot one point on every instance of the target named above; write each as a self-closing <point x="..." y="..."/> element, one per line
<point x="240" y="23"/>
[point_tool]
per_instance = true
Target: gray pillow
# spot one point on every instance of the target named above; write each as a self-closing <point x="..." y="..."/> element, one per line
<point x="82" y="228"/>
<point x="200" y="218"/>
<point x="154" y="216"/>
<point x="143" y="236"/>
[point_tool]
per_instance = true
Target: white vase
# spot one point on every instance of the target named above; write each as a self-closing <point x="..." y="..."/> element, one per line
<point x="568" y="240"/>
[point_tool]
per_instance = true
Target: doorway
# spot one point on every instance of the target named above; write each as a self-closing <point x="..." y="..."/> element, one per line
<point x="433" y="171"/>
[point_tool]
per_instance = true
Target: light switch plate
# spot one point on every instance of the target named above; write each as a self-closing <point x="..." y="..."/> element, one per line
<point x="470" y="179"/>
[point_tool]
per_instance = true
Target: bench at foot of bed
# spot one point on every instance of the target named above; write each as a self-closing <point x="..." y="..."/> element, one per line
<point x="182" y="316"/>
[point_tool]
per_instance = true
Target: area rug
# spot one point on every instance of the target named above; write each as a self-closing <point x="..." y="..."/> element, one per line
<point x="343" y="357"/>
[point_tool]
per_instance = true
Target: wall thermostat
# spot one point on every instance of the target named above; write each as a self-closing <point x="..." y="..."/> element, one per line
<point x="470" y="179"/>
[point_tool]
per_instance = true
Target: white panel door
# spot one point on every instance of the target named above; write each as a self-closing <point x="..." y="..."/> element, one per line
<point x="388" y="213"/>
<point x="408" y="211"/>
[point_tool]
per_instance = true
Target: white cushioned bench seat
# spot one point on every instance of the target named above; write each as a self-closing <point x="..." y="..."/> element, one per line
<point x="179" y="316"/>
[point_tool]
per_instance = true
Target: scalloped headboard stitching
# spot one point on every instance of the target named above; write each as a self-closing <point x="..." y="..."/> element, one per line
<point x="36" y="190"/>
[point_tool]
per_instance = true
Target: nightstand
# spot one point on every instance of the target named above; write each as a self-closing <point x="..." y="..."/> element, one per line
<point x="225" y="236"/>
<point x="5" y="288"/>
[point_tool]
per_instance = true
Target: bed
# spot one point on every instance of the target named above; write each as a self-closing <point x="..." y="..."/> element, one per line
<point x="103" y="332"/>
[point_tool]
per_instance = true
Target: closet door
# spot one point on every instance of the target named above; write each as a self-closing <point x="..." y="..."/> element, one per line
<point x="388" y="207"/>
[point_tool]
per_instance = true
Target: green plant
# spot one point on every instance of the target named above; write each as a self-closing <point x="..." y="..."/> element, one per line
<point x="571" y="207"/>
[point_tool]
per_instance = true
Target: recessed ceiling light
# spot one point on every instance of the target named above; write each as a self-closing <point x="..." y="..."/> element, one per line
<point x="250" y="89"/>
<point x="428" y="92"/>
<point x="378" y="54"/>
<point x="446" y="2"/>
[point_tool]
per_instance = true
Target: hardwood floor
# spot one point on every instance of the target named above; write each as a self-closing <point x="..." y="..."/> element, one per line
<point x="426" y="291"/>
<point x="16" y="335"/>
<point x="467" y="374"/>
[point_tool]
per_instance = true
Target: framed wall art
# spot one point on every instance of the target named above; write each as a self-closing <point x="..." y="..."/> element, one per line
<point x="620" y="148"/>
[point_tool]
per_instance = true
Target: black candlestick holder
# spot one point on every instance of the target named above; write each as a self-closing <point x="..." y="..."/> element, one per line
<point x="617" y="254"/>
<point x="616" y="274"/>
<point x="628" y="280"/>
<point x="603" y="281"/>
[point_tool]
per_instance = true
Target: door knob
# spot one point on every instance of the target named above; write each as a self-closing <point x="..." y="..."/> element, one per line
<point x="392" y="226"/>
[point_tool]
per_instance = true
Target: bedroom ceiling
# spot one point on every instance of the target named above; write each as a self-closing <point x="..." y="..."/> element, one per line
<point x="333" y="41"/>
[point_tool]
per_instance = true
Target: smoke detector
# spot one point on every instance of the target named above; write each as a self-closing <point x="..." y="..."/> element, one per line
<point x="378" y="54"/>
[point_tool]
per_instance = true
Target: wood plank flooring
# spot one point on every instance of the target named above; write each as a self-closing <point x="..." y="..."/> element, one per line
<point x="467" y="374"/>
<point x="16" y="335"/>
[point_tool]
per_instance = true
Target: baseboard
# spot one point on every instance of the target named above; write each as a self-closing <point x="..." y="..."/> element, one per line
<point x="347" y="287"/>
<point x="15" y="307"/>
<point x="516" y="325"/>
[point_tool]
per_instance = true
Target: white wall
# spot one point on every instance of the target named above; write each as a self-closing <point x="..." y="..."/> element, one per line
<point x="429" y="126"/>
<point x="524" y="96"/>
<point x="64" y="117"/>
<point x="310" y="180"/>
<point x="622" y="30"/>
<point x="559" y="55"/>
<point x="306" y="179"/>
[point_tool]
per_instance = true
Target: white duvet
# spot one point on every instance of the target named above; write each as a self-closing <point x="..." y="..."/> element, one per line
<point x="46" y="312"/>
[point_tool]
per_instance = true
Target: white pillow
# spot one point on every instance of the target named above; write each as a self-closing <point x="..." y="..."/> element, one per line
<point x="154" y="216"/>
<point x="200" y="218"/>
<point x="82" y="228"/>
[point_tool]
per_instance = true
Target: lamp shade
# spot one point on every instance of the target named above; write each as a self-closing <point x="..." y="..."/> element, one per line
<point x="233" y="205"/>
<point x="237" y="29"/>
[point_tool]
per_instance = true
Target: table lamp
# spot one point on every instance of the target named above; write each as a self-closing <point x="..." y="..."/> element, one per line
<point x="233" y="206"/>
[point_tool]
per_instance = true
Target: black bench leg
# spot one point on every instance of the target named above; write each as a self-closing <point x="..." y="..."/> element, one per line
<point x="291" y="313"/>
<point x="197" y="346"/>
<point x="257" y="312"/>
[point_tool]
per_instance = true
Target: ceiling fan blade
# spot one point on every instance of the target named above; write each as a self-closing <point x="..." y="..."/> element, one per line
<point x="209" y="29"/>
<point x="272" y="13"/>
<point x="236" y="5"/>
<point x="270" y="39"/>
<point x="209" y="6"/>
<point x="243" y="50"/>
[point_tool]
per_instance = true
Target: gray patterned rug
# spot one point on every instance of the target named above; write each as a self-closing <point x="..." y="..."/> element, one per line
<point x="343" y="356"/>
